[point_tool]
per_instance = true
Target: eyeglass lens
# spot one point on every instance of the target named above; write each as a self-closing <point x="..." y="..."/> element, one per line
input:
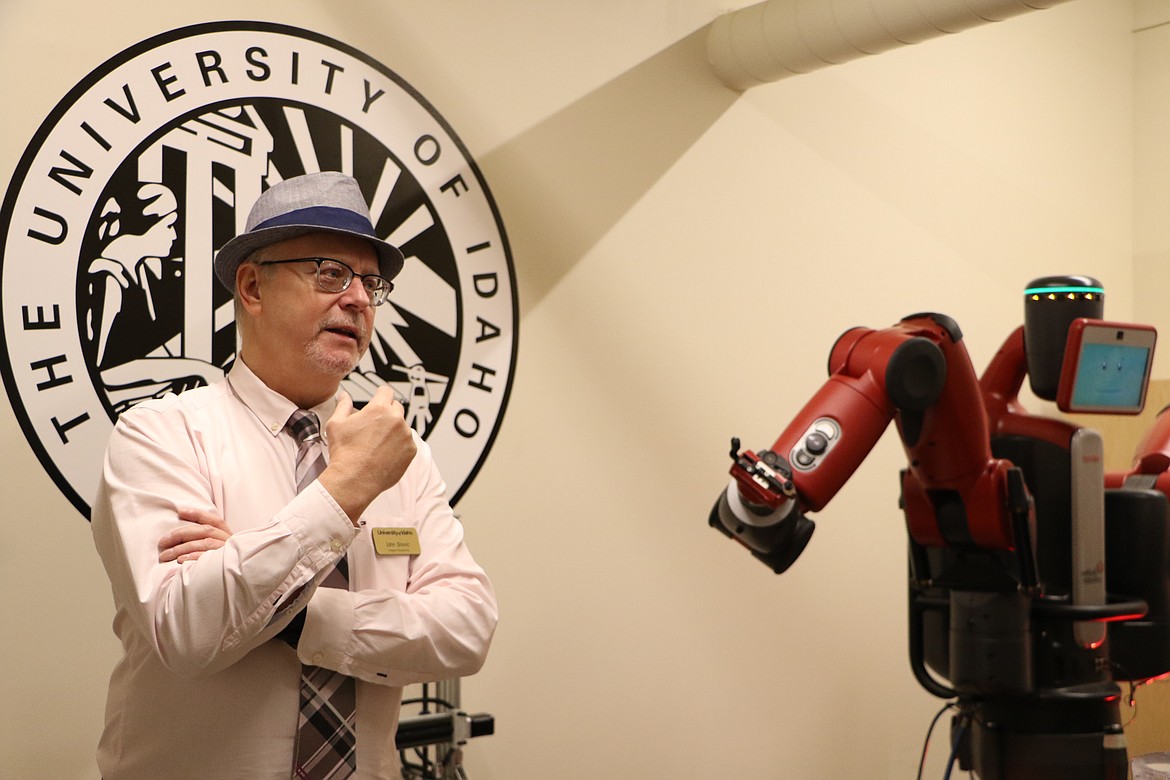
<point x="334" y="276"/>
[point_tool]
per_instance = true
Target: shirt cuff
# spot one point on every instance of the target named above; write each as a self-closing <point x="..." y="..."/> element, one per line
<point x="321" y="526"/>
<point x="329" y="621"/>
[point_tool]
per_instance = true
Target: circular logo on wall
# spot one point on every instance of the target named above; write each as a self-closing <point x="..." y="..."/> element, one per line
<point x="144" y="169"/>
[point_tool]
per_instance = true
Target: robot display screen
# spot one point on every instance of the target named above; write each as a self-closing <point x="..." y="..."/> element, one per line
<point x="1110" y="375"/>
<point x="1110" y="371"/>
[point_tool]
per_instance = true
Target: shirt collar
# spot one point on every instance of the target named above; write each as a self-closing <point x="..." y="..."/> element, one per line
<point x="270" y="407"/>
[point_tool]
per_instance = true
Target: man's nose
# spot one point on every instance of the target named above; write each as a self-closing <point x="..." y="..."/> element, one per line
<point x="355" y="296"/>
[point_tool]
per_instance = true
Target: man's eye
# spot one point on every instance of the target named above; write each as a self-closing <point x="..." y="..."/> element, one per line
<point x="333" y="273"/>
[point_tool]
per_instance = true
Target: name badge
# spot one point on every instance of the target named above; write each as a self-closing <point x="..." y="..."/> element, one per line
<point x="396" y="541"/>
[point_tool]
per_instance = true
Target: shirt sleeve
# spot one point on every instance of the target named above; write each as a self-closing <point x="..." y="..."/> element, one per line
<point x="440" y="626"/>
<point x="201" y="616"/>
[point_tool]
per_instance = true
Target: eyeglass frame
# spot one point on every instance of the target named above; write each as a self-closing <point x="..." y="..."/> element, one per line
<point x="372" y="295"/>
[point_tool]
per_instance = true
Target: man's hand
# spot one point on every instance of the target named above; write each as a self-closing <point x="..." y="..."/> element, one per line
<point x="201" y="531"/>
<point x="369" y="450"/>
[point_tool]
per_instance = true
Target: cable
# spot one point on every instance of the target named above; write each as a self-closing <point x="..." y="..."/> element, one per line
<point x="964" y="722"/>
<point x="926" y="742"/>
<point x="431" y="770"/>
<point x="448" y="759"/>
<point x="425" y="700"/>
<point x="1119" y="672"/>
<point x="427" y="768"/>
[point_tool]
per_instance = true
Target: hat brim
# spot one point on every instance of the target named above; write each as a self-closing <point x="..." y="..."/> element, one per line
<point x="231" y="254"/>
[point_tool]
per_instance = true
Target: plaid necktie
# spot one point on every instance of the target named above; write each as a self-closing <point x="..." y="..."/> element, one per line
<point x="325" y="728"/>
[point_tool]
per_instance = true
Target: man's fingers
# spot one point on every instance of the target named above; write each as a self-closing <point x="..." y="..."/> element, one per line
<point x="188" y="550"/>
<point x="203" y="517"/>
<point x="344" y="407"/>
<point x="200" y="531"/>
<point x="386" y="393"/>
<point x="191" y="532"/>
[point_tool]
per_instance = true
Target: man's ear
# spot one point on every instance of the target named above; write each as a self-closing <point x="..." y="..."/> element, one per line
<point x="248" y="286"/>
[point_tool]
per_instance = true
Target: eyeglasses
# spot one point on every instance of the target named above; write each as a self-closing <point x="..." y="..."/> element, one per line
<point x="334" y="276"/>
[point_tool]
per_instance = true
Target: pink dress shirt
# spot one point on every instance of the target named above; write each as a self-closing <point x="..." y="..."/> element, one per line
<point x="203" y="690"/>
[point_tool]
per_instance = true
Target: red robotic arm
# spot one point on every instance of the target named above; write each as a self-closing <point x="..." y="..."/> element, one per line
<point x="917" y="373"/>
<point x="1151" y="463"/>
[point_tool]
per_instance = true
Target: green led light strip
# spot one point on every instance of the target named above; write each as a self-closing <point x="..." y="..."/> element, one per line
<point x="1044" y="290"/>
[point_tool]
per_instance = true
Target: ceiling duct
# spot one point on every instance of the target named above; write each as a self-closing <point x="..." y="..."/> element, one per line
<point x="778" y="38"/>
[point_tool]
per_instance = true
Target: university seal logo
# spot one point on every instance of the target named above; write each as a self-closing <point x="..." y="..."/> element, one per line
<point x="143" y="170"/>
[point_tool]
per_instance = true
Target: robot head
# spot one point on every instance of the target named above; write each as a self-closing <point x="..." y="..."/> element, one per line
<point x="1050" y="304"/>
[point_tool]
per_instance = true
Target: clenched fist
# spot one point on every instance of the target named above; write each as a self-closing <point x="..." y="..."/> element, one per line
<point x="369" y="450"/>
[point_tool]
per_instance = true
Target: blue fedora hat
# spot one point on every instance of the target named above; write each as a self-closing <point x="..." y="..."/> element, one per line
<point x="326" y="202"/>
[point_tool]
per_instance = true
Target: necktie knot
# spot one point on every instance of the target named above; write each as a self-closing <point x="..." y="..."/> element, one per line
<point x="310" y="461"/>
<point x="304" y="426"/>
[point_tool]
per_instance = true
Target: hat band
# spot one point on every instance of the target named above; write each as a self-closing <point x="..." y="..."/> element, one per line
<point x="325" y="217"/>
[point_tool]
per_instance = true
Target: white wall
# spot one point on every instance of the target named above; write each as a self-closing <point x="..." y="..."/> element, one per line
<point x="1152" y="176"/>
<point x="686" y="257"/>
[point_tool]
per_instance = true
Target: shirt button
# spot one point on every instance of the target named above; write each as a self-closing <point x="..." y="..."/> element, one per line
<point x="318" y="658"/>
<point x="335" y="545"/>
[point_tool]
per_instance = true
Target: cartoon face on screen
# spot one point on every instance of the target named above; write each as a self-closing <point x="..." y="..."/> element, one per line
<point x="1110" y="375"/>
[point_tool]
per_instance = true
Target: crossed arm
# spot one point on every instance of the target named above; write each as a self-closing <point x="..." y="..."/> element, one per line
<point x="201" y="531"/>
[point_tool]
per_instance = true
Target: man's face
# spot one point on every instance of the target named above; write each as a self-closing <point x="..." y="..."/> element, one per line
<point x="312" y="333"/>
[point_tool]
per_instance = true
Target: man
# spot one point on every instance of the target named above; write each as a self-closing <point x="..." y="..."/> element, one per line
<point x="217" y="562"/>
